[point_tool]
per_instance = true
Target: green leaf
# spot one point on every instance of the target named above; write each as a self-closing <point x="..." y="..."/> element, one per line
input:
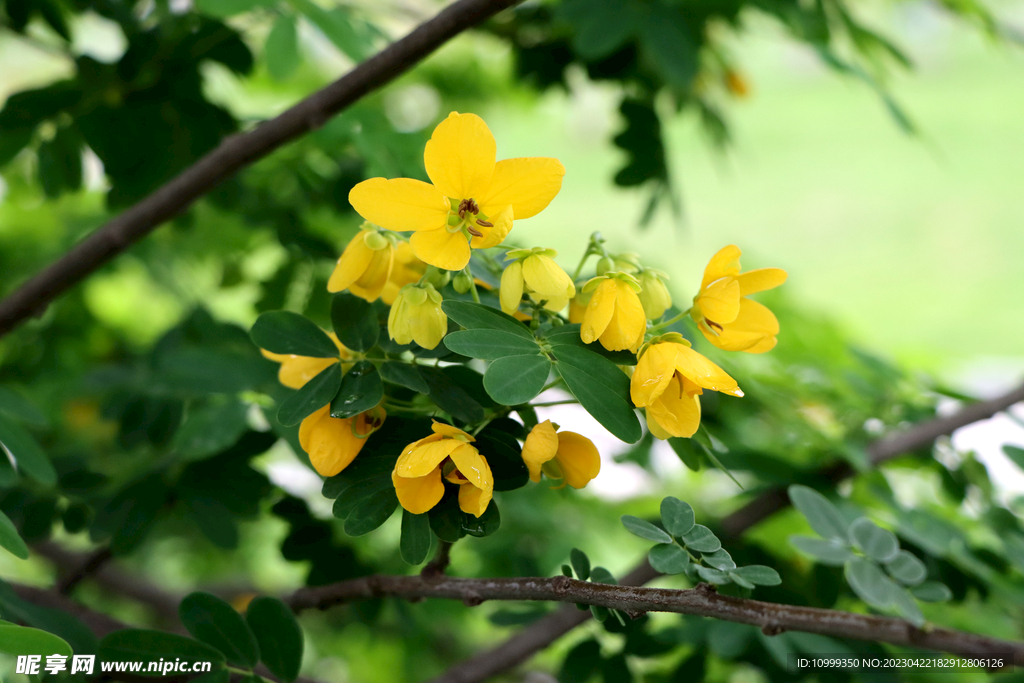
<point x="474" y="316"/>
<point x="668" y="558"/>
<point x="290" y="333"/>
<point x="740" y="581"/>
<point x="1016" y="454"/>
<point x="415" y="543"/>
<point x="644" y="529"/>
<point x="580" y="563"/>
<point x="446" y="520"/>
<point x="484" y="525"/>
<point x="210" y="429"/>
<point x="336" y="24"/>
<point x="877" y="543"/>
<point x="149" y="646"/>
<point x="932" y="591"/>
<point x="361" y="389"/>
<point x="9" y="538"/>
<point x="823" y="516"/>
<point x="404" y="375"/>
<point x="23" y="640"/>
<point x="601" y="388"/>
<point x="598" y="28"/>
<point x="906" y="568"/>
<point x="701" y="539"/>
<point x="28" y="456"/>
<point x="906" y="606"/>
<point x="668" y="45"/>
<point x="677" y="516"/>
<point x="281" y="50"/>
<point x="719" y="559"/>
<point x="715" y="576"/>
<point x="826" y="552"/>
<point x="581" y="662"/>
<point x="214" y="622"/>
<point x="505" y="458"/>
<point x="490" y="344"/>
<point x="372" y="511"/>
<point x="691" y="454"/>
<point x="278" y="635"/>
<point x="450" y="396"/>
<point x="355" y="322"/>
<point x="602" y="575"/>
<point x="19" y="408"/>
<point x="313" y="395"/>
<point x="58" y="622"/>
<point x="130" y="514"/>
<point x="226" y="8"/>
<point x="758" y="574"/>
<point x="516" y="379"/>
<point x="869" y="582"/>
<point x="569" y="335"/>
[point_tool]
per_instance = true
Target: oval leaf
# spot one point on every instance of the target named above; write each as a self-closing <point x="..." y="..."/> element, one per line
<point x="355" y="322"/>
<point x="23" y="640"/>
<point x="719" y="559"/>
<point x="644" y="529"/>
<point x="713" y="575"/>
<point x="759" y="574"/>
<point x="415" y="544"/>
<point x="489" y="344"/>
<point x="668" y="559"/>
<point x="932" y="591"/>
<point x="677" y="516"/>
<point x="701" y="539"/>
<point x="147" y="646"/>
<point x="215" y="622"/>
<point x="869" y="582"/>
<point x="281" y="50"/>
<point x="312" y="396"/>
<point x="28" y="455"/>
<point x="291" y="333"/>
<point x="516" y="379"/>
<point x="823" y="516"/>
<point x="279" y="636"/>
<point x="474" y="316"/>
<point x="404" y="375"/>
<point x="906" y="568"/>
<point x="361" y="389"/>
<point x="580" y="564"/>
<point x="371" y="512"/>
<point x="826" y="552"/>
<point x="601" y="388"/>
<point x="9" y="538"/>
<point x="877" y="543"/>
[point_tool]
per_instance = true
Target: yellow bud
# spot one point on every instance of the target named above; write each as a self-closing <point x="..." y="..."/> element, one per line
<point x="416" y="316"/>
<point x="375" y="241"/>
<point x="654" y="296"/>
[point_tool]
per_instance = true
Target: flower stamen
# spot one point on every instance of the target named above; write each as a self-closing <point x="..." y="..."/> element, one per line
<point x="468" y="206"/>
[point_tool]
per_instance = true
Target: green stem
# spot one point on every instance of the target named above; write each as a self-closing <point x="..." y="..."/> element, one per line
<point x="670" y="321"/>
<point x="552" y="384"/>
<point x="552" y="403"/>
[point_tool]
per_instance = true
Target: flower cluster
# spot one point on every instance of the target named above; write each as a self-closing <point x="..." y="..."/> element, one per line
<point x="413" y="255"/>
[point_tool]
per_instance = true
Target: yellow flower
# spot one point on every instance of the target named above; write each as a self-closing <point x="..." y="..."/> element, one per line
<point x="470" y="200"/>
<point x="578" y="306"/>
<point x="614" y="316"/>
<point x="416" y="316"/>
<point x="668" y="379"/>
<point x="445" y="454"/>
<point x="722" y="310"/>
<point x="654" y="296"/>
<point x="364" y="266"/>
<point x="407" y="269"/>
<point x="568" y="456"/>
<point x="534" y="272"/>
<point x="332" y="443"/>
<point x="295" y="370"/>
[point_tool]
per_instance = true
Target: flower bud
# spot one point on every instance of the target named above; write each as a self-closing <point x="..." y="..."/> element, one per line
<point x="416" y="316"/>
<point x="462" y="282"/>
<point x="654" y="296"/>
<point x="604" y="265"/>
<point x="437" y="277"/>
<point x="375" y="241"/>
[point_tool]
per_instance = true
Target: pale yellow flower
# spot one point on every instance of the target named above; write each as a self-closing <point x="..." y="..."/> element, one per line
<point x="614" y="315"/>
<point x="364" y="266"/>
<point x="567" y="456"/>
<point x="416" y="316"/>
<point x="534" y="272"/>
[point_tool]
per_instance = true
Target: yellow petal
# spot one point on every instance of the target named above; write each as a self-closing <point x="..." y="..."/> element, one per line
<point x="547" y="279"/>
<point x="473" y="466"/>
<point x="761" y="279"/>
<point x="308" y="425"/>
<point x="448" y="430"/>
<point x="578" y="458"/>
<point x="419" y="494"/>
<point x="474" y="501"/>
<point x="654" y="370"/>
<point x="753" y="330"/>
<point x="460" y="156"/>
<point x="676" y="412"/>
<point x="655" y="429"/>
<point x="401" y="204"/>
<point x="425" y="457"/>
<point x="540" y="446"/>
<point x="428" y="324"/>
<point x="527" y="184"/>
<point x="599" y="311"/>
<point x="720" y="301"/>
<point x="577" y="310"/>
<point x="371" y="283"/>
<point x="495" y="235"/>
<point x="295" y="371"/>
<point x="352" y="264"/>
<point x="723" y="264"/>
<point x="628" y="323"/>
<point x="703" y="372"/>
<point x="440" y="248"/>
<point x="333" y="446"/>
<point x="511" y="287"/>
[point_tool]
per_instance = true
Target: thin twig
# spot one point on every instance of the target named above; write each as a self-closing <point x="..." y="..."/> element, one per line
<point x="439" y="564"/>
<point x="237" y="152"/>
<point x="89" y="566"/>
<point x="701" y="601"/>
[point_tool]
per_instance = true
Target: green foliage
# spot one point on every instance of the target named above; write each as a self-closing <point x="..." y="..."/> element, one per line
<point x="214" y="622"/>
<point x="22" y="640"/>
<point x="278" y="635"/>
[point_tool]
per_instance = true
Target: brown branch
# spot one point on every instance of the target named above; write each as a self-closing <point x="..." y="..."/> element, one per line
<point x="439" y="564"/>
<point x="87" y="567"/>
<point x="543" y="632"/>
<point x="701" y="601"/>
<point x="235" y="153"/>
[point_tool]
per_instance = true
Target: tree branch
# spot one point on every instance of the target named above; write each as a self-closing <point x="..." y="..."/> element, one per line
<point x="543" y="632"/>
<point x="701" y="601"/>
<point x="235" y="153"/>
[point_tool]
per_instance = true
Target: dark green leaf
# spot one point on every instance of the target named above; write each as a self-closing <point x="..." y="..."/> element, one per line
<point x="877" y="543"/>
<point x="214" y="519"/>
<point x="22" y="640"/>
<point x="130" y="514"/>
<point x="149" y="646"/>
<point x="314" y="395"/>
<point x="601" y="388"/>
<point x="279" y="636"/>
<point x="28" y="456"/>
<point x="58" y="622"/>
<point x="226" y="8"/>
<point x="415" y="543"/>
<point x="505" y="458"/>
<point x="701" y="539"/>
<point x="361" y="389"/>
<point x="484" y="525"/>
<point x="516" y="379"/>
<point x="290" y="333"/>
<point x="490" y="344"/>
<point x="581" y="662"/>
<point x="405" y="375"/>
<point x="9" y="538"/>
<point x="602" y="575"/>
<point x="19" y="408"/>
<point x="676" y="516"/>
<point x="569" y="335"/>
<point x="826" y="552"/>
<point x="446" y="520"/>
<point x="1016" y="454"/>
<point x="355" y="322"/>
<point x="281" y="50"/>
<point x="450" y="396"/>
<point x="371" y="512"/>
<point x="906" y="568"/>
<point x="214" y="622"/>
<point x="668" y="558"/>
<point x="644" y="529"/>
<point x="210" y="429"/>
<point x="759" y="574"/>
<point x="474" y="316"/>
<point x="869" y="582"/>
<point x="822" y="515"/>
<point x="580" y="564"/>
